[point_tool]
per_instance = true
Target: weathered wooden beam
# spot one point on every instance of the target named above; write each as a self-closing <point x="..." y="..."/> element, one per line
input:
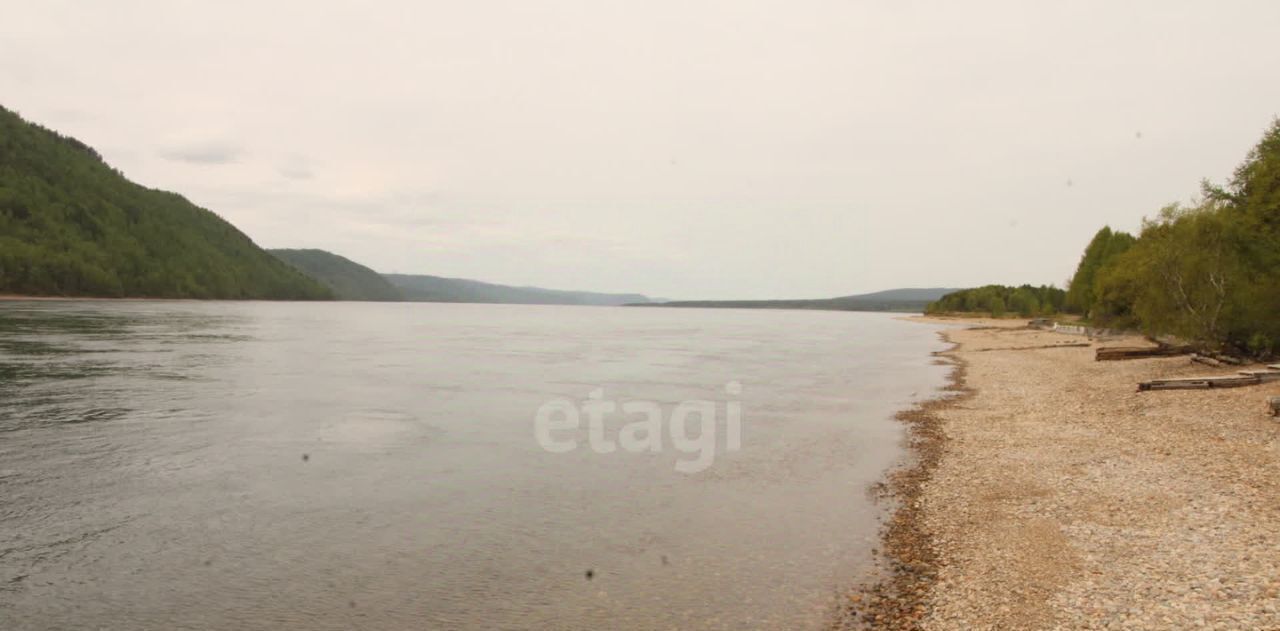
<point x="1199" y="383"/>
<point x="1264" y="376"/>
<point x="1033" y="348"/>
<point x="1202" y="378"/>
<point x="1112" y="353"/>
<point x="1181" y="385"/>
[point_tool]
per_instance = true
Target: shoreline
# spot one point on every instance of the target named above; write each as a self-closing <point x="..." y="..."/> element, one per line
<point x="22" y="298"/>
<point x="1043" y="491"/>
<point x="907" y="564"/>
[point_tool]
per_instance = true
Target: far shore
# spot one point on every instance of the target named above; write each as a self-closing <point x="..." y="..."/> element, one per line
<point x="1046" y="492"/>
<point x="22" y="298"/>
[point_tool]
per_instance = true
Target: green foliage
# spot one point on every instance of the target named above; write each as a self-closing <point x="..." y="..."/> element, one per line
<point x="70" y="225"/>
<point x="998" y="300"/>
<point x="1105" y="246"/>
<point x="1186" y="262"/>
<point x="348" y="280"/>
<point x="1209" y="272"/>
<point x="1254" y="188"/>
<point x="1262" y="345"/>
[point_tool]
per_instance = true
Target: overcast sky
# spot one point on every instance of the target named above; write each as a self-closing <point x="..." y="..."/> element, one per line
<point x="685" y="149"/>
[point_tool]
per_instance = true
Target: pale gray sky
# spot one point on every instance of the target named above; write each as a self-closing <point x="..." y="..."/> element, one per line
<point x="688" y="149"/>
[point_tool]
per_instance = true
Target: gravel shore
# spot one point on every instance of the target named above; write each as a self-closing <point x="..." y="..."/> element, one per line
<point x="1052" y="495"/>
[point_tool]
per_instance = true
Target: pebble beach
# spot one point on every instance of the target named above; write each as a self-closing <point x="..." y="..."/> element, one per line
<point x="1047" y="493"/>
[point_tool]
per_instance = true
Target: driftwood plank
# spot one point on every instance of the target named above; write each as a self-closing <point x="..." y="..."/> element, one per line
<point x="1112" y="353"/>
<point x="1264" y="376"/>
<point x="1204" y="378"/>
<point x="1033" y="348"/>
<point x="1199" y="383"/>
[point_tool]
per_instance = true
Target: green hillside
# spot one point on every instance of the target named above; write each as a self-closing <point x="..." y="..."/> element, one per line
<point x="347" y="279"/>
<point x="70" y="225"/>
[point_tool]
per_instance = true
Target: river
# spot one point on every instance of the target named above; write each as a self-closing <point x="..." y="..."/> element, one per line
<point x="257" y="465"/>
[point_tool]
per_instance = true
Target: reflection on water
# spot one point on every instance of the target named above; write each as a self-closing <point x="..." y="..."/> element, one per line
<point x="264" y="465"/>
<point x="46" y="349"/>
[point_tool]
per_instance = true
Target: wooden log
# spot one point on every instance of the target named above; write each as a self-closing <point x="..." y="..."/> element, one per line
<point x="1208" y="361"/>
<point x="1227" y="359"/>
<point x="1033" y="348"/>
<point x="1199" y="383"/>
<point x="1113" y="353"/>
<point x="1274" y="366"/>
<point x="1265" y="376"/>
<point x="1227" y="378"/>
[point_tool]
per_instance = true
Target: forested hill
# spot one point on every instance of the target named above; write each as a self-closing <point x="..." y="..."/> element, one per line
<point x="421" y="288"/>
<point x="70" y="225"/>
<point x="347" y="279"/>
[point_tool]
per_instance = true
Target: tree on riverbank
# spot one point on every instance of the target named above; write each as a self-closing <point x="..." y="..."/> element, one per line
<point x="1208" y="272"/>
<point x="1105" y="246"/>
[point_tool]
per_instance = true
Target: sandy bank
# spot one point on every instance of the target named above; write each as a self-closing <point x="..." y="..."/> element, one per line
<point x="1053" y="495"/>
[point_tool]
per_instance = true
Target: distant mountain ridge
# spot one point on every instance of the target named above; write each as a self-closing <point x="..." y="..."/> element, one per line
<point x="904" y="300"/>
<point x="905" y="293"/>
<point x="424" y="288"/>
<point x="347" y="279"/>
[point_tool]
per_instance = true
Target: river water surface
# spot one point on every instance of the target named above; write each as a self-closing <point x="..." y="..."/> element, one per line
<point x="189" y="465"/>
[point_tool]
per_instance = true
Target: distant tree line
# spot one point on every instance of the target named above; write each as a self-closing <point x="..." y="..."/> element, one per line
<point x="1000" y="300"/>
